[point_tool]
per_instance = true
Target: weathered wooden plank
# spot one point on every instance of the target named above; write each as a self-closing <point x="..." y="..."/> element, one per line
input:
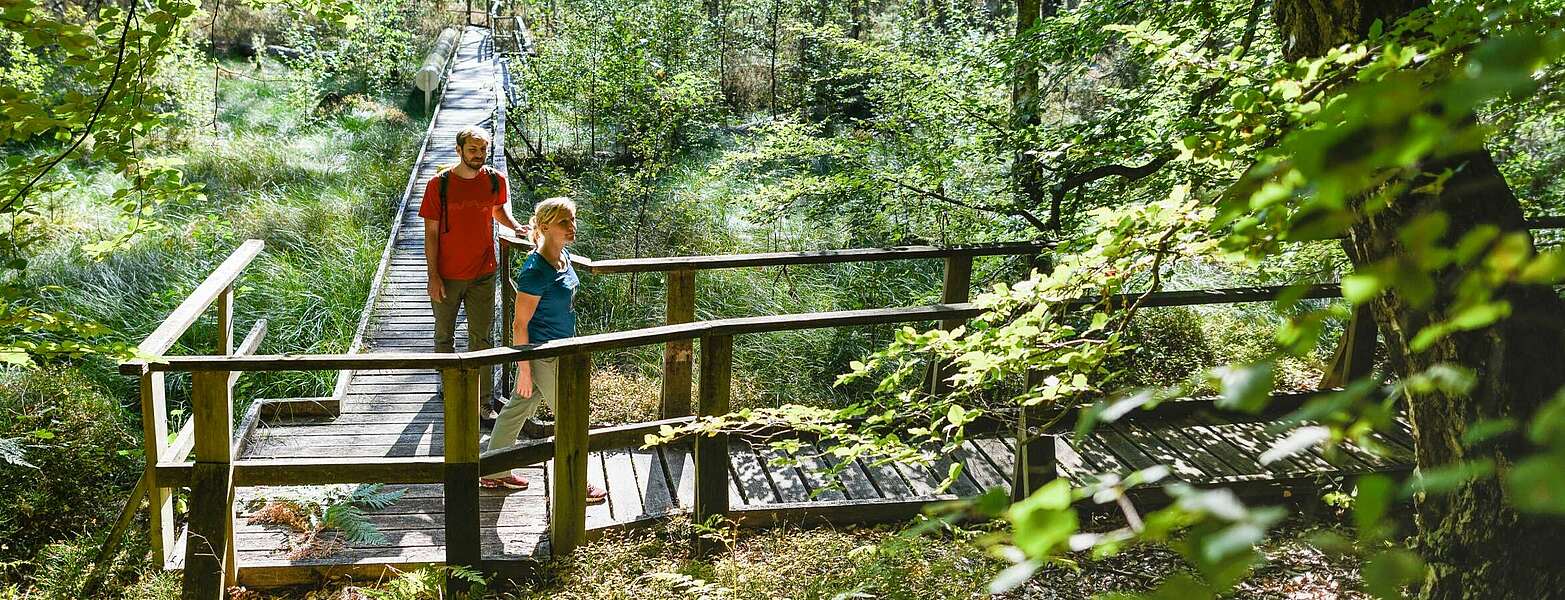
<point x="886" y="479"/>
<point x="569" y="527"/>
<point x="919" y="479"/>
<point x="754" y="487"/>
<point x="984" y="474"/>
<point x="600" y="514"/>
<point x="624" y="492"/>
<point x="679" y="459"/>
<point x="998" y="455"/>
<point x="855" y="483"/>
<point x="679" y="308"/>
<point x="963" y="486"/>
<point x="657" y="497"/>
<point x="1167" y="441"/>
<point x="786" y="480"/>
<point x="813" y="467"/>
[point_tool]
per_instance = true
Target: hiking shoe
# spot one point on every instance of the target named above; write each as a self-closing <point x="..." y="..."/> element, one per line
<point x="596" y="494"/>
<point x="536" y="429"/>
<point x="509" y="481"/>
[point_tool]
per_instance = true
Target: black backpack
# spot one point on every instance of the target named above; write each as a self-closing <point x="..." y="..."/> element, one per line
<point x="445" y="180"/>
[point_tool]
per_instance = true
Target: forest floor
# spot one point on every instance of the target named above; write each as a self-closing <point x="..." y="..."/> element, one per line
<point x="878" y="562"/>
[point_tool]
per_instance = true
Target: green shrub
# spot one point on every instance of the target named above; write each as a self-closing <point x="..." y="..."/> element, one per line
<point x="1170" y="346"/>
<point x="84" y="459"/>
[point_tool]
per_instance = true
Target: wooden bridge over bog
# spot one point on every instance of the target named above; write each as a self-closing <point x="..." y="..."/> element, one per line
<point x="384" y="422"/>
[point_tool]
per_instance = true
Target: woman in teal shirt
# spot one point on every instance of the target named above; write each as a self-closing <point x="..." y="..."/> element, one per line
<point x="545" y="294"/>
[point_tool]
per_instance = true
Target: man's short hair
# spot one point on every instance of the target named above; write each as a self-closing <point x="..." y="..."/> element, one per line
<point x="472" y="132"/>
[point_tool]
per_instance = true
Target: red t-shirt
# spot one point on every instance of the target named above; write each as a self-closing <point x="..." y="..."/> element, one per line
<point x="467" y="238"/>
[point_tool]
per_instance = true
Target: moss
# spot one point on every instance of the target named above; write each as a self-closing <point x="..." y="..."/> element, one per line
<point x="84" y="453"/>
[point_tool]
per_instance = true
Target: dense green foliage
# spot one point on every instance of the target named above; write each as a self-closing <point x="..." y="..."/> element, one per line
<point x="311" y="169"/>
<point x="79" y="458"/>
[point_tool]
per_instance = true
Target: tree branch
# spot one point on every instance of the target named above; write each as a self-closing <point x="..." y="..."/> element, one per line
<point x="1013" y="210"/>
<point x="1197" y="103"/>
<point x="119" y="63"/>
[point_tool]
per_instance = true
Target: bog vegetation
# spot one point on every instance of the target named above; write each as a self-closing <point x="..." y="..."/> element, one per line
<point x="1396" y="147"/>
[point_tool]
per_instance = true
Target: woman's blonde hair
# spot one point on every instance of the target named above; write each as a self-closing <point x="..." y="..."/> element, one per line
<point x="554" y="210"/>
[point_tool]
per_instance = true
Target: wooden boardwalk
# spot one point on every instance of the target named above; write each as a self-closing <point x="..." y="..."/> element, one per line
<point x="397" y="414"/>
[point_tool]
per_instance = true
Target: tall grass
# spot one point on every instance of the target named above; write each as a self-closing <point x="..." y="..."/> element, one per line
<point x="319" y="188"/>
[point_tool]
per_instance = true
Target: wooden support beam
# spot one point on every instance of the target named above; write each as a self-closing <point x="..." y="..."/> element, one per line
<point x="154" y="429"/>
<point x="209" y="549"/>
<point x="507" y="314"/>
<point x="1355" y="355"/>
<point x="711" y="452"/>
<point x="461" y="473"/>
<point x="1035" y="463"/>
<point x="225" y="321"/>
<point x="210" y="566"/>
<point x="569" y="510"/>
<point x="955" y="289"/>
<point x="676" y="354"/>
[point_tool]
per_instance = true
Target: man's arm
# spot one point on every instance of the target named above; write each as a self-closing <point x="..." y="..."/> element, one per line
<point x="437" y="286"/>
<point x="502" y="215"/>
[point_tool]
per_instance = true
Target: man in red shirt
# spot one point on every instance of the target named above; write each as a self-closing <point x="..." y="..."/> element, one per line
<point x="460" y="208"/>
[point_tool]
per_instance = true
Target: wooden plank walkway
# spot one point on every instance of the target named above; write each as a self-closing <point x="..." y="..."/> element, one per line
<point x="396" y="414"/>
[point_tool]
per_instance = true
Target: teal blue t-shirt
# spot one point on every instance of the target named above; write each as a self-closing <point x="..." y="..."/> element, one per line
<point x="555" y="317"/>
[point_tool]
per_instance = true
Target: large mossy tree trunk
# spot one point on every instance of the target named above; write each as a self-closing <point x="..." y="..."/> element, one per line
<point x="1476" y="544"/>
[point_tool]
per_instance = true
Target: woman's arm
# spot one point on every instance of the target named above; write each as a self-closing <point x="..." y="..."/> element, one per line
<point x="526" y="305"/>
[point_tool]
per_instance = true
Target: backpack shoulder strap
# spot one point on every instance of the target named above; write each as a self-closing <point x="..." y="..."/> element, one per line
<point x="445" y="181"/>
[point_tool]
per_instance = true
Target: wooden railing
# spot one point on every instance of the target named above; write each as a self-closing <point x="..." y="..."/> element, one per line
<point x="462" y="463"/>
<point x="680" y="301"/>
<point x="213" y="473"/>
<point x="209" y="432"/>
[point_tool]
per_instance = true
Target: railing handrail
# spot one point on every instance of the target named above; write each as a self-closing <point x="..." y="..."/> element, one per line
<point x="805" y="257"/>
<point x="689" y="331"/>
<point x="188" y="311"/>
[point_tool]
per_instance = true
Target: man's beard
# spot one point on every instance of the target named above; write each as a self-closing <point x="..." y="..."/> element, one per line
<point x="474" y="164"/>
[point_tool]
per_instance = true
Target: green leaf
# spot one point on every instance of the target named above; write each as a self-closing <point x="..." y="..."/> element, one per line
<point x="1245" y="389"/>
<point x="1536" y="486"/>
<point x="1374" y="495"/>
<point x="1362" y="287"/>
<point x="1385" y="573"/>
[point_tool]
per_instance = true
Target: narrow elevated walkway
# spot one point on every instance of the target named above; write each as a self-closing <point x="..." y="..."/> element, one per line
<point x="396" y="414"/>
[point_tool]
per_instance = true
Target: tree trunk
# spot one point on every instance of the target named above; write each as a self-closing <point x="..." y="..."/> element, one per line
<point x="1026" y="173"/>
<point x="1476" y="544"/>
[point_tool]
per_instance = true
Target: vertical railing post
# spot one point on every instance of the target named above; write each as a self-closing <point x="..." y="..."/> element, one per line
<point x="711" y="452"/>
<point x="955" y="290"/>
<point x="225" y="321"/>
<point x="676" y="355"/>
<point x="1355" y="355"/>
<point x="461" y="473"/>
<point x="1036" y="463"/>
<point x="507" y="314"/>
<point x="209" y="567"/>
<point x="154" y="435"/>
<point x="569" y="510"/>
